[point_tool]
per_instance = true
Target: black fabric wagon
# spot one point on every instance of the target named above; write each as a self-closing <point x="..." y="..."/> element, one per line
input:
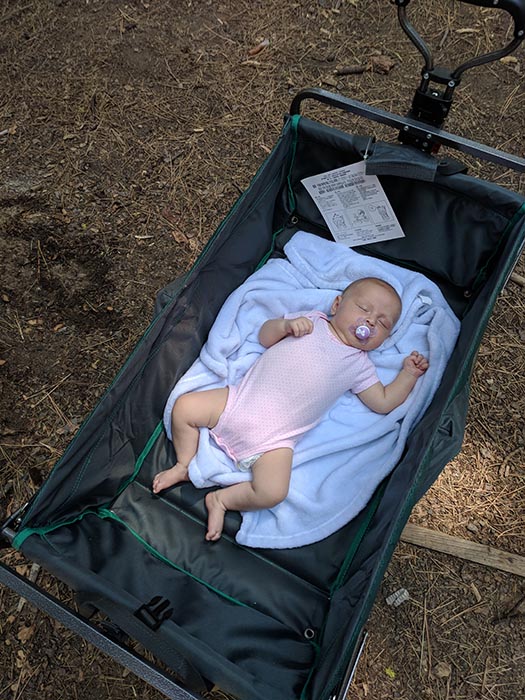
<point x="270" y="623"/>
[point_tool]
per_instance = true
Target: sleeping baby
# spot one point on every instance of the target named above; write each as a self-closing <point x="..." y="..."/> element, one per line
<point x="310" y="361"/>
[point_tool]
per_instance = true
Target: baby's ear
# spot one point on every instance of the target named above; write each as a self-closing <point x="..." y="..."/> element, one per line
<point x="335" y="304"/>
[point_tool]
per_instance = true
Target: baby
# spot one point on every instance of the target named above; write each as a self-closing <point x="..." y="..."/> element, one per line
<point x="311" y="360"/>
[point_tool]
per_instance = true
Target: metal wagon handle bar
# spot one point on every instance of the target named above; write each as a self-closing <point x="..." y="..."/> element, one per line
<point x="516" y="8"/>
<point x="408" y="125"/>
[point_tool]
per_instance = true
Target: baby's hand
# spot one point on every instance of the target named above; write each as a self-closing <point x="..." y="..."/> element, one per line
<point x="415" y="364"/>
<point x="299" y="326"/>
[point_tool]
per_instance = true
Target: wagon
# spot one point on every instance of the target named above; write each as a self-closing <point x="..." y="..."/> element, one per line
<point x="256" y="621"/>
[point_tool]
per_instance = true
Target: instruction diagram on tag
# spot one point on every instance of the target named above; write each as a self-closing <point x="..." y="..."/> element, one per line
<point x="354" y="205"/>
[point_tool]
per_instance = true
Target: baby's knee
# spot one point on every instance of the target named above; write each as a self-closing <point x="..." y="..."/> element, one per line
<point x="182" y="407"/>
<point x="273" y="493"/>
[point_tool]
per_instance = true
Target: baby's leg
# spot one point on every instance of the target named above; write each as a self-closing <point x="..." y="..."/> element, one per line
<point x="198" y="409"/>
<point x="268" y="487"/>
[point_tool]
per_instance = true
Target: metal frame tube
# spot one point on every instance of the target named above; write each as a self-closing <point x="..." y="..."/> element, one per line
<point x="412" y="126"/>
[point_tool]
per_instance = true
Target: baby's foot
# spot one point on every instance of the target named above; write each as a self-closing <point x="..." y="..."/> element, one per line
<point x="168" y="477"/>
<point x="216" y="513"/>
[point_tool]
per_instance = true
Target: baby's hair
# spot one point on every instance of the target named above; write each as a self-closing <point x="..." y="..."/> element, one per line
<point x="375" y="280"/>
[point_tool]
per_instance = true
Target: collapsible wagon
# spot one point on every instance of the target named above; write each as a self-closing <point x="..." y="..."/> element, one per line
<point x="264" y="622"/>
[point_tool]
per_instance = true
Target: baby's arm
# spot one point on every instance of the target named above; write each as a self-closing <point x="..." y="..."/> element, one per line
<point x="275" y="329"/>
<point x="383" y="399"/>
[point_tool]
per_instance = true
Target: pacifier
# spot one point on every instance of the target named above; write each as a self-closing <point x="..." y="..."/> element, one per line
<point x="362" y="331"/>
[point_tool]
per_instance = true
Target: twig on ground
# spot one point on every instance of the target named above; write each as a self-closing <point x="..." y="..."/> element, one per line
<point x="458" y="547"/>
<point x="519" y="279"/>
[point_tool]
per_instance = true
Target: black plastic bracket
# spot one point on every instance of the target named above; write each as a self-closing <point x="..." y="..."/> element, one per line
<point x="432" y="104"/>
<point x="154" y="613"/>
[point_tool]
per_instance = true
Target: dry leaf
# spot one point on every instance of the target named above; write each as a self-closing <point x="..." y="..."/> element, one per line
<point x="260" y="47"/>
<point x="382" y="64"/>
<point x="179" y="236"/>
<point x="169" y="216"/>
<point x="328" y="80"/>
<point x="25" y="633"/>
<point x="441" y="670"/>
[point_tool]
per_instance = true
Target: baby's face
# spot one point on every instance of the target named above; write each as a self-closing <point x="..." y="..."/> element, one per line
<point x="368" y="305"/>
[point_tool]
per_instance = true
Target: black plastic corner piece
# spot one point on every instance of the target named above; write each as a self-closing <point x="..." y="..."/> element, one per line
<point x="154" y="613"/>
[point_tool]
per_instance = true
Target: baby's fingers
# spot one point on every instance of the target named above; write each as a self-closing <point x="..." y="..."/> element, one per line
<point x="419" y="360"/>
<point x="302" y="326"/>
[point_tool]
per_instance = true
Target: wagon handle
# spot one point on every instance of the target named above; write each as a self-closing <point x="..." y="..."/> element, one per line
<point x="431" y="104"/>
<point x="516" y="8"/>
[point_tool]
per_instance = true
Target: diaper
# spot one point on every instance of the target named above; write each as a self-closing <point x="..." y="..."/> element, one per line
<point x="244" y="465"/>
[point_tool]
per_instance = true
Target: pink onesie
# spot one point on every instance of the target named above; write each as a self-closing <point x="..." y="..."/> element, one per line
<point x="289" y="389"/>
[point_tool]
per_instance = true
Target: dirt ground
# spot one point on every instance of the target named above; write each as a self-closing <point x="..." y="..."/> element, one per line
<point x="127" y="131"/>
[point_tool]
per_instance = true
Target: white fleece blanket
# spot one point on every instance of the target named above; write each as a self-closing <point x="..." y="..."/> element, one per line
<point x="337" y="465"/>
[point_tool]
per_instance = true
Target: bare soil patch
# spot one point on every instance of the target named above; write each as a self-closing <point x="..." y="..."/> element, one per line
<point x="127" y="131"/>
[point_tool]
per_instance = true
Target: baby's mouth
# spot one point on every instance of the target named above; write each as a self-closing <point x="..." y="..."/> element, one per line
<point x="362" y="331"/>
